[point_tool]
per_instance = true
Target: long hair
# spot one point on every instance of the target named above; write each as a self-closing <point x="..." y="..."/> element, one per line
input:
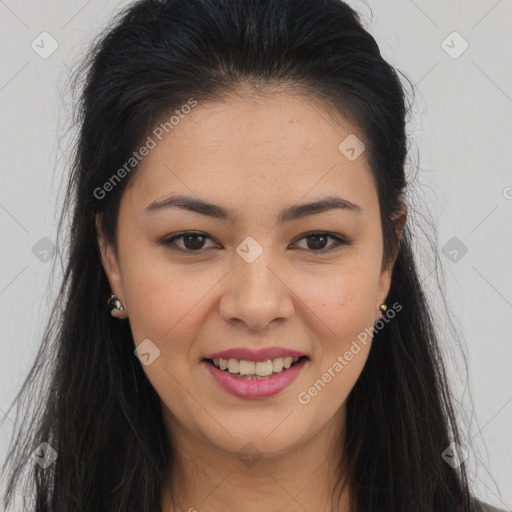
<point x="92" y="402"/>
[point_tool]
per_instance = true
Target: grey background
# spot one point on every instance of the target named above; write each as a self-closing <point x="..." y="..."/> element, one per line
<point x="461" y="134"/>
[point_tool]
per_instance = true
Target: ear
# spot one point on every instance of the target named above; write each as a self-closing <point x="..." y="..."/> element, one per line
<point x="112" y="270"/>
<point x="384" y="285"/>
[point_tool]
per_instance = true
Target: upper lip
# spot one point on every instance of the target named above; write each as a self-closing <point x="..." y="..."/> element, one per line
<point x="249" y="354"/>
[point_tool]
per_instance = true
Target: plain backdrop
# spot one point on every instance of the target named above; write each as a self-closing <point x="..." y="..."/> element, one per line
<point x="456" y="53"/>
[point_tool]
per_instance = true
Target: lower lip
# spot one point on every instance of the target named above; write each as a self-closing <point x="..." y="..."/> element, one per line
<point x="255" y="388"/>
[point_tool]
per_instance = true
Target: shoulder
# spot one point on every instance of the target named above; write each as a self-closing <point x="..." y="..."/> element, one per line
<point x="484" y="507"/>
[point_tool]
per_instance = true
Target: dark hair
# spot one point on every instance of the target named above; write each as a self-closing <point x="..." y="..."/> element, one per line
<point x="97" y="408"/>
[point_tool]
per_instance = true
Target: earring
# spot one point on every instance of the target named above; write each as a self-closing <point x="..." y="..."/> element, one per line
<point x="115" y="305"/>
<point x="383" y="307"/>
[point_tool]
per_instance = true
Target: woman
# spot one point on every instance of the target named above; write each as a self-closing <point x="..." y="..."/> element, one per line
<point x="240" y="206"/>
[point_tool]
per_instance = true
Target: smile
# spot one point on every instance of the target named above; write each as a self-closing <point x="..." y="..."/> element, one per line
<point x="254" y="369"/>
<point x="255" y="379"/>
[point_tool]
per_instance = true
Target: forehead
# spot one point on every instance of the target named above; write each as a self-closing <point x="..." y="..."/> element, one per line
<point x="244" y="147"/>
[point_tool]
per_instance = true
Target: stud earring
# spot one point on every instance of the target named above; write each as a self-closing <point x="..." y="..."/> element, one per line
<point x="115" y="305"/>
<point x="383" y="307"/>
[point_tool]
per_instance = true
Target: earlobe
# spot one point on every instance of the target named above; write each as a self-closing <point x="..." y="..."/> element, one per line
<point x="383" y="290"/>
<point x="399" y="220"/>
<point x="116" y="307"/>
<point x="113" y="272"/>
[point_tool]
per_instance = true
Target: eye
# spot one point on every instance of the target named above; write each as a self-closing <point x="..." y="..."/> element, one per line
<point x="193" y="242"/>
<point x="317" y="241"/>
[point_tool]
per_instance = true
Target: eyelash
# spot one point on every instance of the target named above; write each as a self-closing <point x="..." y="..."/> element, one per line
<point x="169" y="242"/>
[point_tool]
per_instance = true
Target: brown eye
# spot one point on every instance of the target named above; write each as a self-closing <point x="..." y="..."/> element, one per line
<point x="316" y="242"/>
<point x="191" y="242"/>
<point x="194" y="243"/>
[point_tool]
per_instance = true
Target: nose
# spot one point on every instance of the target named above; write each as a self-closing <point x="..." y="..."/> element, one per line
<point x="257" y="295"/>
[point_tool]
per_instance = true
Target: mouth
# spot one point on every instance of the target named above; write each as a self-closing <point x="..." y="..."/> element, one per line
<point x="256" y="370"/>
<point x="257" y="379"/>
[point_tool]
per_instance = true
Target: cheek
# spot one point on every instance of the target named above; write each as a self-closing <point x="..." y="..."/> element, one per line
<point x="160" y="293"/>
<point x="344" y="312"/>
<point x="341" y="323"/>
<point x="167" y="306"/>
<point x="343" y="299"/>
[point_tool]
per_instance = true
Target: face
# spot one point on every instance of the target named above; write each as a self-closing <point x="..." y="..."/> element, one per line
<point x="257" y="278"/>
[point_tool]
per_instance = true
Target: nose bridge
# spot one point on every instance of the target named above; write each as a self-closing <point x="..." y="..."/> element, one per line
<point x="257" y="294"/>
<point x="256" y="281"/>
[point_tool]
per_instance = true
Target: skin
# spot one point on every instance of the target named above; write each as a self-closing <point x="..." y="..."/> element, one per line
<point x="256" y="154"/>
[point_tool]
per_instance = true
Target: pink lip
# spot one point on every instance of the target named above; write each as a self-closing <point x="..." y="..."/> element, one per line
<point x="255" y="355"/>
<point x="262" y="388"/>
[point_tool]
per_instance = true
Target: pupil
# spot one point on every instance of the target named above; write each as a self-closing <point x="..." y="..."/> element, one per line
<point x="193" y="246"/>
<point x="316" y="245"/>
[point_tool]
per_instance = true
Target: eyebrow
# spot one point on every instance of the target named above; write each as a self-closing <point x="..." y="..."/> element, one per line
<point x="218" y="212"/>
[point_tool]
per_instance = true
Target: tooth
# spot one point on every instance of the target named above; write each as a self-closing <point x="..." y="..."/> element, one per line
<point x="233" y="365"/>
<point x="264" y="368"/>
<point x="246" y="367"/>
<point x="255" y="369"/>
<point x="277" y="364"/>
